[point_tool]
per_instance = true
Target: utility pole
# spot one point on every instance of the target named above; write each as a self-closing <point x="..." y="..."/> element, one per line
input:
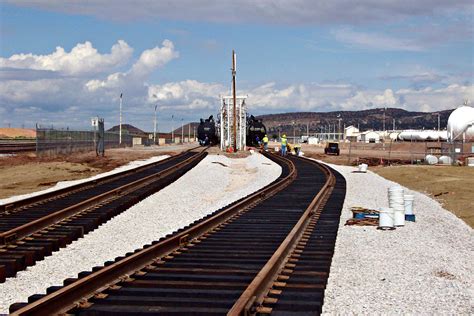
<point x="438" y="122"/>
<point x="172" y="129"/>
<point x="384" y="109"/>
<point x="339" y="127"/>
<point x="154" y="128"/>
<point x="294" y="135"/>
<point x="235" y="99"/>
<point x="189" y="132"/>
<point x="120" y="124"/>
<point x="182" y="131"/>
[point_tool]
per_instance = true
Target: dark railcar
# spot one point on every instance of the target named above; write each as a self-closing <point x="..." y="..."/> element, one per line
<point x="256" y="130"/>
<point x="207" y="132"/>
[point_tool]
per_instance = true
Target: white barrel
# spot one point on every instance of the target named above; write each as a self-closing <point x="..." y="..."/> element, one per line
<point x="409" y="199"/>
<point x="431" y="160"/>
<point x="386" y="219"/>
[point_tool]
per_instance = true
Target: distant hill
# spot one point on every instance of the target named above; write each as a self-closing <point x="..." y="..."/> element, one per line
<point x="188" y="127"/>
<point x="127" y="129"/>
<point x="365" y="120"/>
<point x="17" y="133"/>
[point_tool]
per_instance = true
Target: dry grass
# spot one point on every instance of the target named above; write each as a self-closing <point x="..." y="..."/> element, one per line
<point x="452" y="186"/>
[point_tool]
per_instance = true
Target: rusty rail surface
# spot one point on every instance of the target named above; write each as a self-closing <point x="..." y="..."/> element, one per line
<point x="32" y="234"/>
<point x="12" y="206"/>
<point x="16" y="147"/>
<point x="77" y="293"/>
<point x="39" y="224"/>
<point x="252" y="298"/>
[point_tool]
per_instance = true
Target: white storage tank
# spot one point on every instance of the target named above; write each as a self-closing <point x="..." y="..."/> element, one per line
<point x="445" y="160"/>
<point x="431" y="160"/>
<point x="461" y="124"/>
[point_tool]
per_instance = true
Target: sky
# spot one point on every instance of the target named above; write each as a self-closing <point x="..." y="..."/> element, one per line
<point x="63" y="62"/>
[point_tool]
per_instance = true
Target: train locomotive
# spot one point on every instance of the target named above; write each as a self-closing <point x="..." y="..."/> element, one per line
<point x="256" y="130"/>
<point x="207" y="132"/>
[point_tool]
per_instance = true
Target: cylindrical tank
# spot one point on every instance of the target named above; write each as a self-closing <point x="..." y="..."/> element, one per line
<point x="445" y="160"/>
<point x="431" y="160"/>
<point x="461" y="124"/>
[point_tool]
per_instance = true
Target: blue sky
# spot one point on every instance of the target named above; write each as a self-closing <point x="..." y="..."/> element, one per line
<point x="291" y="56"/>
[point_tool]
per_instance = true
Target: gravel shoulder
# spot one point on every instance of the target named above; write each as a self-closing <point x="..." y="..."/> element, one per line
<point x="422" y="268"/>
<point x="215" y="182"/>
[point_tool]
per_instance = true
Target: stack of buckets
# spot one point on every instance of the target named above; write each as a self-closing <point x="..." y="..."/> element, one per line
<point x="400" y="207"/>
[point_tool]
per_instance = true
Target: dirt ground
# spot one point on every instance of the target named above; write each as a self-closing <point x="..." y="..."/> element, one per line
<point x="17" y="132"/>
<point x="26" y="173"/>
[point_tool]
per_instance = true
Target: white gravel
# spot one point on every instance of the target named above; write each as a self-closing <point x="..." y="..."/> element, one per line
<point x="65" y="184"/>
<point x="423" y="268"/>
<point x="206" y="188"/>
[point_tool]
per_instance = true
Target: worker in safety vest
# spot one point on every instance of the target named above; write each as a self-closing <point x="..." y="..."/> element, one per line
<point x="284" y="142"/>
<point x="265" y="142"/>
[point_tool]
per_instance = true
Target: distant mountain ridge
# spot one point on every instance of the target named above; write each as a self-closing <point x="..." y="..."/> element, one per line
<point x="365" y="120"/>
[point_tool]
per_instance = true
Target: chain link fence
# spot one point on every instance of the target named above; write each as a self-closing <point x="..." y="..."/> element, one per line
<point x="53" y="142"/>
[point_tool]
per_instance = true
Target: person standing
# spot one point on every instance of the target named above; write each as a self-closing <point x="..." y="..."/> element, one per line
<point x="265" y="142"/>
<point x="284" y="142"/>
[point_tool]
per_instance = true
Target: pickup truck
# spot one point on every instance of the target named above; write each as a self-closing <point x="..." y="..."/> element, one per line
<point x="332" y="148"/>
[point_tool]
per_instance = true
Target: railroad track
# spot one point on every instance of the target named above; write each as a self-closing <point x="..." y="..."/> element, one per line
<point x="16" y="147"/>
<point x="33" y="228"/>
<point x="267" y="253"/>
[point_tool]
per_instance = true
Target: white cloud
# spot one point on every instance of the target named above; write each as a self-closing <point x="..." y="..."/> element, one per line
<point x="149" y="61"/>
<point x="256" y="11"/>
<point x="52" y="94"/>
<point x="186" y="95"/>
<point x="375" y="41"/>
<point x="81" y="60"/>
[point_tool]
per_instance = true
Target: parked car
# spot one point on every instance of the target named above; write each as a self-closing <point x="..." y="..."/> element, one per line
<point x="332" y="148"/>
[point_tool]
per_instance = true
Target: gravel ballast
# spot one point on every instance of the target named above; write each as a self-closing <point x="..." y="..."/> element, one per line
<point x="215" y="182"/>
<point x="425" y="267"/>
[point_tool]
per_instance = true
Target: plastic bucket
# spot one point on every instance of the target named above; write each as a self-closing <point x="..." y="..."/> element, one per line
<point x="363" y="167"/>
<point x="386" y="218"/>
<point x="399" y="217"/>
<point x="409" y="199"/>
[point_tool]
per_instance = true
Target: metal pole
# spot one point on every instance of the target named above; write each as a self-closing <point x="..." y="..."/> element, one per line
<point x="438" y="122"/>
<point x="120" y="124"/>
<point x="235" y="99"/>
<point x="154" y="128"/>
<point x="294" y="135"/>
<point x="384" y="119"/>
<point x="189" y="132"/>
<point x="182" y="131"/>
<point x="194" y="133"/>
<point x="172" y="129"/>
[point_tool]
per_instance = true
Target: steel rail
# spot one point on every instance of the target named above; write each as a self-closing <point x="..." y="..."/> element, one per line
<point x="11" y="148"/>
<point x="39" y="224"/>
<point x="80" y="186"/>
<point x="254" y="294"/>
<point x="79" y="291"/>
